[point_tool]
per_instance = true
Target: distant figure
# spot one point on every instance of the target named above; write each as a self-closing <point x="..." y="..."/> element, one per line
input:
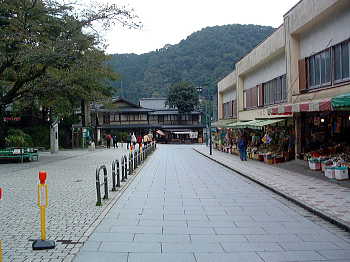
<point x="115" y="142"/>
<point x="145" y="139"/>
<point x="139" y="140"/>
<point x="133" y="140"/>
<point x="92" y="146"/>
<point x="242" y="146"/>
<point x="108" y="138"/>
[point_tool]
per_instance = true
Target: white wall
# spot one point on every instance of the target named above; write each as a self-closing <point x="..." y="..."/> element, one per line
<point x="274" y="68"/>
<point x="331" y="31"/>
<point x="229" y="95"/>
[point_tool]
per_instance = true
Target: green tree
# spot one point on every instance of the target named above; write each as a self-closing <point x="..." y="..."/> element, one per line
<point x="203" y="58"/>
<point x="45" y="47"/>
<point x="184" y="96"/>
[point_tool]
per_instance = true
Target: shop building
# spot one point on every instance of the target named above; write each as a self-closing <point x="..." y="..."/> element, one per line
<point x="227" y="99"/>
<point x="261" y="78"/>
<point x="318" y="67"/>
<point x="297" y="75"/>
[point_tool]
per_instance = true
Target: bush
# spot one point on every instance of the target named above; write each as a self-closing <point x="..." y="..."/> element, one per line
<point x="17" y="138"/>
<point x="40" y="135"/>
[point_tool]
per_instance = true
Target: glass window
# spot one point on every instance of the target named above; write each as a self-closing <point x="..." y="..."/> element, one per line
<point x="345" y="59"/>
<point x="312" y="71"/>
<point x="285" y="90"/>
<point x="323" y="67"/>
<point x="328" y="69"/>
<point x="337" y="63"/>
<point x="317" y="70"/>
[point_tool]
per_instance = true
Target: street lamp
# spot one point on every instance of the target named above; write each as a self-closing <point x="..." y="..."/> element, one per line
<point x="208" y="118"/>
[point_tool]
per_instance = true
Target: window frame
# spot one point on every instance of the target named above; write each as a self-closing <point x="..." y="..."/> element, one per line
<point x="332" y="67"/>
<point x="321" y="58"/>
<point x="274" y="91"/>
<point x="342" y="80"/>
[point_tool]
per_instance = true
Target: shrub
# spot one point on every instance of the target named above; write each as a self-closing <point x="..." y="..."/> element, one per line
<point x="17" y="138"/>
<point x="40" y="135"/>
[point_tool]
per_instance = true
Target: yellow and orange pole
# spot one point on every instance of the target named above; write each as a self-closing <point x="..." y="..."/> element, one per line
<point x="0" y="239"/>
<point x="43" y="201"/>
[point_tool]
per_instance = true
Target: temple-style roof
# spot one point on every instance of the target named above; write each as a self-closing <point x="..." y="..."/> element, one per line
<point x="154" y="103"/>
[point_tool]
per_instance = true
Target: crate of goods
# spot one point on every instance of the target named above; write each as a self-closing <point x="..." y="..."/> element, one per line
<point x="314" y="164"/>
<point x="330" y="172"/>
<point x="261" y="157"/>
<point x="268" y="159"/>
<point x="279" y="159"/>
<point x="341" y="173"/>
<point x="324" y="163"/>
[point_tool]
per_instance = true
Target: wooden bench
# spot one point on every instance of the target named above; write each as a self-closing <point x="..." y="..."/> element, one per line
<point x="22" y="154"/>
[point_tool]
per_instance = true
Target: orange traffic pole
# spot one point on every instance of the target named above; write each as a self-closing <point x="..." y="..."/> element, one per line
<point x="43" y="200"/>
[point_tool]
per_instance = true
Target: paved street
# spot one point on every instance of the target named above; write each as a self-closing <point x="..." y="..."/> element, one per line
<point x="72" y="199"/>
<point x="183" y="207"/>
<point x="323" y="196"/>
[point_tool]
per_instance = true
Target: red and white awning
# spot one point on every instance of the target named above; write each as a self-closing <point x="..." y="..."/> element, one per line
<point x="311" y="106"/>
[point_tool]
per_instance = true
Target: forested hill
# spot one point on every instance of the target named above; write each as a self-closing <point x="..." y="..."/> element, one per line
<point x="202" y="58"/>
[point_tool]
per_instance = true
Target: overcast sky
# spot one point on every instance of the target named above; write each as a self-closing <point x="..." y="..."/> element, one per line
<point x="170" y="21"/>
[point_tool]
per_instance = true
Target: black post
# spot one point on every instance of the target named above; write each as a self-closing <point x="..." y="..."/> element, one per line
<point x="210" y="142"/>
<point x="98" y="184"/>
<point x="130" y="164"/>
<point x="118" y="174"/>
<point x="98" y="190"/>
<point x="113" y="176"/>
<point x="123" y="169"/>
<point x="126" y="168"/>
<point x="105" y="182"/>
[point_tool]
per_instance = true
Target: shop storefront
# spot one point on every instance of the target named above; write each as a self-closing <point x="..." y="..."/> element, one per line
<point x="322" y="134"/>
<point x="269" y="140"/>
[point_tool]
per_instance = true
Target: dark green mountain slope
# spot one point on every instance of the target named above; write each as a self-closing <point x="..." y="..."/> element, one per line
<point x="203" y="58"/>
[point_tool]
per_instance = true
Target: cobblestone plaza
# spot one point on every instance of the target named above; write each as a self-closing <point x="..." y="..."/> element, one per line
<point x="180" y="206"/>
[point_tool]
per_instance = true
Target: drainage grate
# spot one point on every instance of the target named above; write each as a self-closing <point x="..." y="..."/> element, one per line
<point x="69" y="242"/>
<point x="63" y="241"/>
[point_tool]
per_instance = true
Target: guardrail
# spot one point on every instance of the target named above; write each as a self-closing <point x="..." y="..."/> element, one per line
<point x="98" y="184"/>
<point x="121" y="169"/>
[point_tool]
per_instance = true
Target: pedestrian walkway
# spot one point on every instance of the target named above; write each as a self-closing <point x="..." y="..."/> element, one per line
<point x="183" y="207"/>
<point x="72" y="202"/>
<point x="324" y="197"/>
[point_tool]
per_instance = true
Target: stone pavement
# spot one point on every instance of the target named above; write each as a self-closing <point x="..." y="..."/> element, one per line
<point x="72" y="199"/>
<point x="323" y="197"/>
<point x="183" y="207"/>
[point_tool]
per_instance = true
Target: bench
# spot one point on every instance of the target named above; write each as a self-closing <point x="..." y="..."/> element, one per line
<point x="22" y="154"/>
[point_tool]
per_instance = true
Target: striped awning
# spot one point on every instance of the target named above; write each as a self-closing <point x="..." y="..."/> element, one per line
<point x="310" y="106"/>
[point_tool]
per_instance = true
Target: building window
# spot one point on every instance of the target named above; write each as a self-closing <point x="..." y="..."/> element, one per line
<point x="115" y="117"/>
<point x="341" y="62"/>
<point x="251" y="98"/>
<point x="229" y="109"/>
<point x="328" y="67"/>
<point x="319" y="67"/>
<point x="234" y="108"/>
<point x="275" y="91"/>
<point x="124" y="117"/>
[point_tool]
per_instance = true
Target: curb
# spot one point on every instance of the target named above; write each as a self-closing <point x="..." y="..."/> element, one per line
<point x="336" y="221"/>
<point x="108" y="207"/>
